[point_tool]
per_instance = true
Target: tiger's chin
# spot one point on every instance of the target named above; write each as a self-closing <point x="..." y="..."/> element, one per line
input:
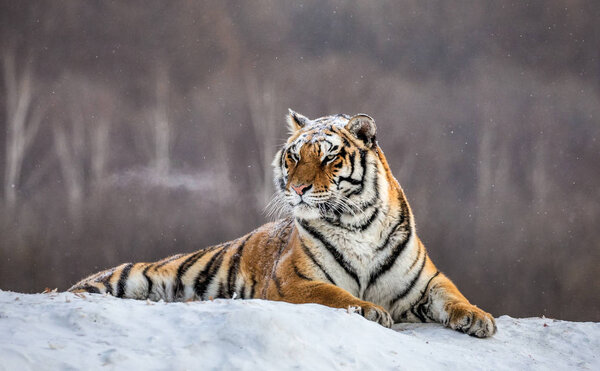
<point x="306" y="211"/>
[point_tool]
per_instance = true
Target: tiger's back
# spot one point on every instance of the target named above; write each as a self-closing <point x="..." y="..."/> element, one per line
<point x="236" y="269"/>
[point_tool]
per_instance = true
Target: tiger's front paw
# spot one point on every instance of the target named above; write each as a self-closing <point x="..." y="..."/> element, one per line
<point x="471" y="320"/>
<point x="375" y="313"/>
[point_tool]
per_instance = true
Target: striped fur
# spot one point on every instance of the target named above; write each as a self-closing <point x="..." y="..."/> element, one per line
<point x="349" y="241"/>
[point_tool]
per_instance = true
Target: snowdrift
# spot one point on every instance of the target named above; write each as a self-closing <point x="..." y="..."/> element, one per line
<point x="66" y="331"/>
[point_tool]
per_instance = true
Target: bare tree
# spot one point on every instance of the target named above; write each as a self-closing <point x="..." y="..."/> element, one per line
<point x="81" y="139"/>
<point x="99" y="148"/>
<point x="161" y="127"/>
<point x="70" y="147"/>
<point x="264" y="109"/>
<point x="23" y="122"/>
<point x="100" y="110"/>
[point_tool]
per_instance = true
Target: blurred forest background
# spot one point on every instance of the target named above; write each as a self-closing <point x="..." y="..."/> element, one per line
<point x="133" y="130"/>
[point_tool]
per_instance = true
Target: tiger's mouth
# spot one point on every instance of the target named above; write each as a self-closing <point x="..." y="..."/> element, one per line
<point x="305" y="210"/>
<point x="303" y="205"/>
<point x="323" y="206"/>
<point x="311" y="201"/>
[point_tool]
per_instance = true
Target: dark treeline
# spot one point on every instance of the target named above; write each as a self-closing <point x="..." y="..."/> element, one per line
<point x="134" y="130"/>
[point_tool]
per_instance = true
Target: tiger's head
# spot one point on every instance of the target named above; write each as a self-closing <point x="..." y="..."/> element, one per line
<point x="328" y="166"/>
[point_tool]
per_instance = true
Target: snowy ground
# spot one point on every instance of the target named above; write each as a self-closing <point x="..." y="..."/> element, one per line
<point x="65" y="331"/>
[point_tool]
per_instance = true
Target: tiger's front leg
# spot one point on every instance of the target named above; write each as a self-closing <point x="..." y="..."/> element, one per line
<point x="304" y="290"/>
<point x="443" y="303"/>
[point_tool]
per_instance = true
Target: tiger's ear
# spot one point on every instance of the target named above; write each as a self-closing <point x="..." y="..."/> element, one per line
<point x="296" y="121"/>
<point x="363" y="127"/>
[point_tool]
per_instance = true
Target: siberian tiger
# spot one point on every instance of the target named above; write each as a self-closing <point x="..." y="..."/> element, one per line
<point x="349" y="241"/>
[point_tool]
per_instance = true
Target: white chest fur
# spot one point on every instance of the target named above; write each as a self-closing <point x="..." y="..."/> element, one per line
<point x="358" y="267"/>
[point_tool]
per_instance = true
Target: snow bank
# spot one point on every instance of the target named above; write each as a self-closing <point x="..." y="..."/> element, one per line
<point x="64" y="331"/>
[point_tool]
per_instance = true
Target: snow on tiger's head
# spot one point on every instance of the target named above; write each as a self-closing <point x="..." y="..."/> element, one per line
<point x="326" y="166"/>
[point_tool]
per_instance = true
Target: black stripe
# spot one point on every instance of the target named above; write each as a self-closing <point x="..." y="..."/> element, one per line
<point x="393" y="231"/>
<point x="412" y="283"/>
<point x="372" y="201"/>
<point x="183" y="267"/>
<point x="418" y="312"/>
<point x="404" y="211"/>
<point x="403" y="216"/>
<point x="349" y="178"/>
<point x="314" y="260"/>
<point x="334" y="252"/>
<point x="91" y="289"/>
<point x="419" y="253"/>
<point x="363" y="164"/>
<point x="370" y="221"/>
<point x="395" y="253"/>
<point x="366" y="204"/>
<point x="343" y="152"/>
<point x="422" y="310"/>
<point x="222" y="292"/>
<point x="252" y="288"/>
<point x="234" y="266"/>
<point x="353" y="182"/>
<point x="206" y="275"/>
<point x="403" y="316"/>
<point x="160" y="263"/>
<point x="351" y="159"/>
<point x="427" y="285"/>
<point x="467" y="327"/>
<point x="178" y="288"/>
<point x="187" y="263"/>
<point x="215" y="270"/>
<point x="375" y="198"/>
<point x="150" y="282"/>
<point x="277" y="285"/>
<point x="106" y="282"/>
<point x="300" y="274"/>
<point x="123" y="280"/>
<point x="390" y="260"/>
<point x="428" y="282"/>
<point x="242" y="294"/>
<point x="353" y="227"/>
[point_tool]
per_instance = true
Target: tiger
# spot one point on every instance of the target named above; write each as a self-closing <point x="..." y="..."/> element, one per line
<point x="347" y="239"/>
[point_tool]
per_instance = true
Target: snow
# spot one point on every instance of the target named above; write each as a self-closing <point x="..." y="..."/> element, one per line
<point x="67" y="331"/>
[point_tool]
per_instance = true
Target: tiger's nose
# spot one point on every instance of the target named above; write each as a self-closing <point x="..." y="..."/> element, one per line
<point x="301" y="188"/>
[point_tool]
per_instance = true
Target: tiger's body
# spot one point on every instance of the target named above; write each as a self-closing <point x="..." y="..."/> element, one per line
<point x="350" y="242"/>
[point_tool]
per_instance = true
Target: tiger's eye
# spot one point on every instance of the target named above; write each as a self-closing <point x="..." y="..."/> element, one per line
<point x="329" y="159"/>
